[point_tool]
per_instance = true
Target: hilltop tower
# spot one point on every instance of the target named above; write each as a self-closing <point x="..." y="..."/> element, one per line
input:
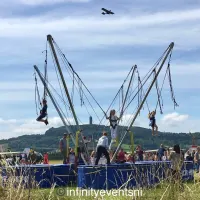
<point x="90" y="120"/>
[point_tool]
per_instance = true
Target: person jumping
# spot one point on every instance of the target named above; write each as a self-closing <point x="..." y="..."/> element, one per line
<point x="153" y="122"/>
<point x="113" y="119"/>
<point x="43" y="113"/>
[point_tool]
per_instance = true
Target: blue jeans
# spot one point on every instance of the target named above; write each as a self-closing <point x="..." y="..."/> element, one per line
<point x="140" y="158"/>
<point x="197" y="166"/>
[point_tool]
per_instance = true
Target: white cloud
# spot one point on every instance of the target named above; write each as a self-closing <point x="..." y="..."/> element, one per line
<point x="15" y="128"/>
<point x="174" y="119"/>
<point x="10" y="121"/>
<point x="127" y="119"/>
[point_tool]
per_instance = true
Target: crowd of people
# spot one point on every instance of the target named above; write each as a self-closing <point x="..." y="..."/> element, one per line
<point x="175" y="155"/>
<point x="32" y="158"/>
<point x="103" y="154"/>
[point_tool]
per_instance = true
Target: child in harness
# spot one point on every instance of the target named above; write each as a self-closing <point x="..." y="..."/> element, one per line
<point x="43" y="113"/>
<point x="153" y="122"/>
<point x="113" y="119"/>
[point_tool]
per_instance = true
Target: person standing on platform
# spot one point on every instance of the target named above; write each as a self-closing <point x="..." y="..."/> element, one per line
<point x="102" y="147"/>
<point x="63" y="147"/>
<point x="161" y="152"/>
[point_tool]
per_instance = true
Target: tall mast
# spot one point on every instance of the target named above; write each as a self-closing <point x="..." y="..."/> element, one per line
<point x="143" y="101"/>
<point x="53" y="101"/>
<point x="45" y="73"/>
<point x="50" y="40"/>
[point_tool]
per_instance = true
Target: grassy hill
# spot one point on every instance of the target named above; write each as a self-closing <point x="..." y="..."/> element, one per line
<point x="49" y="141"/>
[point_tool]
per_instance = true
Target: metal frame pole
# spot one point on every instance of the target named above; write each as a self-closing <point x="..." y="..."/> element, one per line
<point x="50" y="40"/>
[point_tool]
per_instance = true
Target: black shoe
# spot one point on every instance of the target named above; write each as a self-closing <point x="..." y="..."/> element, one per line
<point x="46" y="122"/>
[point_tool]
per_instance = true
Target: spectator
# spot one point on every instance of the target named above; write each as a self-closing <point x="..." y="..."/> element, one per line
<point x="193" y="153"/>
<point x="32" y="157"/>
<point x="14" y="160"/>
<point x="139" y="153"/>
<point x="197" y="159"/>
<point x="130" y="158"/>
<point x="25" y="158"/>
<point x="46" y="158"/>
<point x="155" y="157"/>
<point x="71" y="157"/>
<point x="63" y="147"/>
<point x="189" y="157"/>
<point x="39" y="158"/>
<point x="20" y="158"/>
<point x="168" y="153"/>
<point x="92" y="158"/>
<point x="176" y="163"/>
<point x="121" y="156"/>
<point x="161" y="152"/>
<point x="86" y="141"/>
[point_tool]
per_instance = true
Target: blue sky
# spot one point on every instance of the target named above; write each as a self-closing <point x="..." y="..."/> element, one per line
<point x="102" y="50"/>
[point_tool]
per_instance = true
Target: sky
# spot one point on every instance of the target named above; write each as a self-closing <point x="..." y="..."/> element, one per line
<point x="102" y="50"/>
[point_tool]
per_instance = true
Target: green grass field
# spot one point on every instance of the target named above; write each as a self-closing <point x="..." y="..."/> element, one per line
<point x="55" y="162"/>
<point x="163" y="191"/>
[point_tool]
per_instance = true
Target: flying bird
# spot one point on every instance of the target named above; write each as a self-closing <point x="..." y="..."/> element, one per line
<point x="108" y="12"/>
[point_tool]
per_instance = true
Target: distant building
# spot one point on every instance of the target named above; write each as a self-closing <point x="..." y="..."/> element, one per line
<point x="90" y="120"/>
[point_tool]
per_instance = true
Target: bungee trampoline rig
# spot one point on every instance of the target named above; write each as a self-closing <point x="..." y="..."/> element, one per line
<point x="132" y="89"/>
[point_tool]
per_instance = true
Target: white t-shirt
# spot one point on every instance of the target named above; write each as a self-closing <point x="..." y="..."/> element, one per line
<point x="102" y="161"/>
<point x="103" y="141"/>
<point x="164" y="158"/>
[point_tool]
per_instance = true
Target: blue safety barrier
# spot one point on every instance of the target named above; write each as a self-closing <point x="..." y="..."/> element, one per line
<point x="64" y="175"/>
<point x="43" y="176"/>
<point x="137" y="175"/>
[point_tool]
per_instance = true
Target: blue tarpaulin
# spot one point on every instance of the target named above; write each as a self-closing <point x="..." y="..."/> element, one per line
<point x="43" y="176"/>
<point x="139" y="174"/>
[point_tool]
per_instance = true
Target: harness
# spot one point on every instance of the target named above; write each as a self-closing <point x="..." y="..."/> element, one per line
<point x="42" y="111"/>
<point x="152" y="121"/>
<point x="111" y="124"/>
